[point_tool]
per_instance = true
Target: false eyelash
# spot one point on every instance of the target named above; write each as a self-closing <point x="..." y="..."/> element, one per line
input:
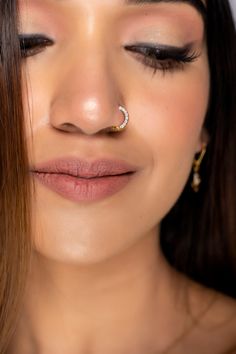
<point x="164" y="58"/>
<point x="32" y="44"/>
<point x="156" y="57"/>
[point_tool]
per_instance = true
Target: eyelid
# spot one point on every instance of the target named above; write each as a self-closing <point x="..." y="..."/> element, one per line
<point x="163" y="57"/>
<point x="161" y="48"/>
<point x="35" y="36"/>
<point x="33" y="43"/>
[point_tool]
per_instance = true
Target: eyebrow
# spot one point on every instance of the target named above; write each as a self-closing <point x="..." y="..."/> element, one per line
<point x="197" y="4"/>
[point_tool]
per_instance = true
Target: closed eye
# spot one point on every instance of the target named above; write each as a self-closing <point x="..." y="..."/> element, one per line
<point x="162" y="57"/>
<point x="32" y="44"/>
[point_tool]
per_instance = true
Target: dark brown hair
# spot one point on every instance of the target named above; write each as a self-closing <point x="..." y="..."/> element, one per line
<point x="14" y="177"/>
<point x="198" y="235"/>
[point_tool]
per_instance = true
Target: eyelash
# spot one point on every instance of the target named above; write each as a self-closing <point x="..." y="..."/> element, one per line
<point x="31" y="45"/>
<point x="161" y="57"/>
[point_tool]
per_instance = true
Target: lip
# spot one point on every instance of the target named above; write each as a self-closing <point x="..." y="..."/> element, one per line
<point x="82" y="180"/>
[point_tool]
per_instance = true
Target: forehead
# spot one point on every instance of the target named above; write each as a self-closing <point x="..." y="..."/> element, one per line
<point x="199" y="5"/>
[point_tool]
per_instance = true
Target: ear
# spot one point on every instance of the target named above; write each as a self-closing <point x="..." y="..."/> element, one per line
<point x="204" y="138"/>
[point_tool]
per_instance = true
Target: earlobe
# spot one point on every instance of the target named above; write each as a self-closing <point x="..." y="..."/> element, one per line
<point x="203" y="140"/>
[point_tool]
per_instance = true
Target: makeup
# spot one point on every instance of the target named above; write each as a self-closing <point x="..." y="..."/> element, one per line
<point x="32" y="44"/>
<point x="163" y="57"/>
<point x="79" y="180"/>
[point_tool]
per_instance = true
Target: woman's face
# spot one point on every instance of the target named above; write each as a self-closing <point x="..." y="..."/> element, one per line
<point x="89" y="57"/>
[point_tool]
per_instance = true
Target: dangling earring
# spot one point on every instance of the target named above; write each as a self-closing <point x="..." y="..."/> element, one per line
<point x="196" y="167"/>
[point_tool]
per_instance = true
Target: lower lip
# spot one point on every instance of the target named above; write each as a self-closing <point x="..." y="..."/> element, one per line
<point x="82" y="189"/>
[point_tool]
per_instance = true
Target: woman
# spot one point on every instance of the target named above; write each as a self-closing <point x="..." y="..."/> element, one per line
<point x="121" y="101"/>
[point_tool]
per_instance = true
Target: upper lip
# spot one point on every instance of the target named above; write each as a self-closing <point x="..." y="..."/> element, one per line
<point x="84" y="168"/>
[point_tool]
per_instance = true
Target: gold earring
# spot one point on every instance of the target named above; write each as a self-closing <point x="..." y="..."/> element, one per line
<point x="196" y="167"/>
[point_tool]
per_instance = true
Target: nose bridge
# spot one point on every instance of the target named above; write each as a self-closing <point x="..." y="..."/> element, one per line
<point x="99" y="89"/>
<point x="88" y="95"/>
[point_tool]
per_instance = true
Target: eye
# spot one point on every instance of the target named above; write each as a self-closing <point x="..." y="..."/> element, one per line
<point x="161" y="57"/>
<point x="32" y="44"/>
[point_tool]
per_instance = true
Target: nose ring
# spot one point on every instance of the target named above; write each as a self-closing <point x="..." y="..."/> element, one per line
<point x="123" y="125"/>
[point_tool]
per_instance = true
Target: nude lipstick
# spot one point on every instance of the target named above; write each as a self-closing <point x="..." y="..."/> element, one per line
<point x="79" y="180"/>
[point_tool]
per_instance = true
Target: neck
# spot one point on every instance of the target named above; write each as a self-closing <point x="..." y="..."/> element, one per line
<point x="111" y="307"/>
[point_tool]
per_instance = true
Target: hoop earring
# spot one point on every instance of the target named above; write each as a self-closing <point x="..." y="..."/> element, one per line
<point x="196" y="167"/>
<point x="124" y="124"/>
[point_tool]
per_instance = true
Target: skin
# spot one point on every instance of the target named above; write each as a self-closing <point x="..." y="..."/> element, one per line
<point x="99" y="282"/>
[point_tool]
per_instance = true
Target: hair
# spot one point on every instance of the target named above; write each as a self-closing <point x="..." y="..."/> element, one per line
<point x="15" y="191"/>
<point x="197" y="236"/>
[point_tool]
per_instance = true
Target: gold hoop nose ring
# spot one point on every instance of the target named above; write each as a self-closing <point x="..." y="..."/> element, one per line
<point x="123" y="125"/>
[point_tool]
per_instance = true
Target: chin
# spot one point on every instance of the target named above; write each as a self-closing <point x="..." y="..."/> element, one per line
<point x="83" y="249"/>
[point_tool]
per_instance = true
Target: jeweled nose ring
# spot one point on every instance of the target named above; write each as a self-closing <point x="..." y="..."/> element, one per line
<point x="123" y="125"/>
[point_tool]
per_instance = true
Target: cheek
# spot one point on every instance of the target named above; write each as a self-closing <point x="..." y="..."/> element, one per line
<point x="175" y="108"/>
<point x="36" y="102"/>
<point x="171" y="112"/>
<point x="37" y="89"/>
<point x="170" y="115"/>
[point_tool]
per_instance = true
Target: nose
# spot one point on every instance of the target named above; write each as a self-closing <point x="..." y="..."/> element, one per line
<point x="86" y="97"/>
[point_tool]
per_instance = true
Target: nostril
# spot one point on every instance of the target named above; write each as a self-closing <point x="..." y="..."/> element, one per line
<point x="68" y="127"/>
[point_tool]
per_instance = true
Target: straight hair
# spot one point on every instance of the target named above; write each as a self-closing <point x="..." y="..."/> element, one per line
<point x="197" y="236"/>
<point x="15" y="195"/>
